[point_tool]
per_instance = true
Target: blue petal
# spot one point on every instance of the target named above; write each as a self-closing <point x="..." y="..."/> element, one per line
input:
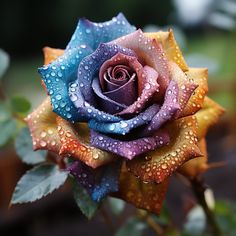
<point x="98" y="182"/>
<point x="109" y="181"/>
<point x="92" y="34"/>
<point x="57" y="77"/>
<point x="125" y="126"/>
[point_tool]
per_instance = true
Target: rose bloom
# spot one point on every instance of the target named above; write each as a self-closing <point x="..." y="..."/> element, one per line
<point x="126" y="110"/>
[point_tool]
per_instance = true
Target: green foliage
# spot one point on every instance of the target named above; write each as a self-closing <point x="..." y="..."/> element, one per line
<point x="226" y="216"/>
<point x="116" y="205"/>
<point x="4" y="62"/>
<point x="83" y="200"/>
<point x="8" y="129"/>
<point x="37" y="183"/>
<point x="24" y="148"/>
<point x="133" y="227"/>
<point x="20" y="104"/>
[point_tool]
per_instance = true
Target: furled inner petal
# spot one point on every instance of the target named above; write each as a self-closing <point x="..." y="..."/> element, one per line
<point x="150" y="53"/>
<point x="129" y="149"/>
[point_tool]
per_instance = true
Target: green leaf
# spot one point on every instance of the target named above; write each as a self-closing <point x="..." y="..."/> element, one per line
<point x="8" y="129"/>
<point x="133" y="227"/>
<point x="84" y="201"/>
<point x="5" y="113"/>
<point x="20" y="104"/>
<point x="38" y="182"/>
<point x="24" y="148"/>
<point x="116" y="205"/>
<point x="4" y="62"/>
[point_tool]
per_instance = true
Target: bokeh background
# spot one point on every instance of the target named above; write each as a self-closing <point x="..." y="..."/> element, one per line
<point x="206" y="32"/>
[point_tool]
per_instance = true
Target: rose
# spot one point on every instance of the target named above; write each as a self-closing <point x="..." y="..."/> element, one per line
<point x="120" y="95"/>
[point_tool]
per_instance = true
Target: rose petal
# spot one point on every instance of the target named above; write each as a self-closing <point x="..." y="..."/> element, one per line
<point x="43" y="127"/>
<point x="147" y="196"/>
<point x="76" y="144"/>
<point x="199" y="77"/>
<point x="170" y="47"/>
<point x="125" y="126"/>
<point x="149" y="51"/>
<point x="168" y="109"/>
<point x="92" y="34"/>
<point x="98" y="182"/>
<point x="150" y="87"/>
<point x="85" y="110"/>
<point x="196" y="166"/>
<point x="104" y="102"/>
<point x="186" y="86"/>
<point x="57" y="77"/>
<point x="51" y="54"/>
<point x="159" y="164"/>
<point x="208" y="116"/>
<point x="129" y="149"/>
<point x="90" y="65"/>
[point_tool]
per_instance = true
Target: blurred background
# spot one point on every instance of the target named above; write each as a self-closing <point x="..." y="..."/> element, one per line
<point x="206" y="33"/>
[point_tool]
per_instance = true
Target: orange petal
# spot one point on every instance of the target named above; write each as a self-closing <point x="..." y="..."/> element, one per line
<point x="148" y="196"/>
<point x="196" y="166"/>
<point x="75" y="142"/>
<point x="51" y="54"/>
<point x="161" y="163"/>
<point x="43" y="128"/>
<point x="208" y="116"/>
<point x="199" y="77"/>
<point x="170" y="46"/>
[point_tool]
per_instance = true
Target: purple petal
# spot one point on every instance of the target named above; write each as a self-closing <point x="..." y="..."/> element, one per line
<point x="129" y="149"/>
<point x="150" y="88"/>
<point x="168" y="110"/>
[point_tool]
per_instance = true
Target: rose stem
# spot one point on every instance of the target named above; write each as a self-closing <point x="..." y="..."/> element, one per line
<point x="199" y="188"/>
<point x="150" y="222"/>
<point x="107" y="219"/>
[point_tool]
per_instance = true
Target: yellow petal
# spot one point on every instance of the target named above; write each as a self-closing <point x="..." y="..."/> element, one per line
<point x="170" y="47"/>
<point x="148" y="196"/>
<point x="51" y="54"/>
<point x="161" y="163"/>
<point x="208" y="116"/>
<point x="43" y="127"/>
<point x="75" y="143"/>
<point x="196" y="166"/>
<point x="199" y="77"/>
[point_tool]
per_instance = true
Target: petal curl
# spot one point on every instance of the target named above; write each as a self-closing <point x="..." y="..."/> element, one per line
<point x="98" y="182"/>
<point x="186" y="86"/>
<point x="147" y="196"/>
<point x="170" y="47"/>
<point x="129" y="149"/>
<point x="208" y="116"/>
<point x="150" y="52"/>
<point x="159" y="164"/>
<point x="43" y="127"/>
<point x="57" y="77"/>
<point x="92" y="34"/>
<point x="199" y="77"/>
<point x="75" y="142"/>
<point x="196" y="166"/>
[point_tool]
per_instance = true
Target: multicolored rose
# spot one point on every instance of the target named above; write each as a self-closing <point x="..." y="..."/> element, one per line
<point x="126" y="108"/>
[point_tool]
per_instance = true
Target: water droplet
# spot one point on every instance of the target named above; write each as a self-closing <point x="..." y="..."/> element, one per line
<point x="123" y="124"/>
<point x="164" y="166"/>
<point x="58" y="97"/>
<point x="43" y="134"/>
<point x="43" y="143"/>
